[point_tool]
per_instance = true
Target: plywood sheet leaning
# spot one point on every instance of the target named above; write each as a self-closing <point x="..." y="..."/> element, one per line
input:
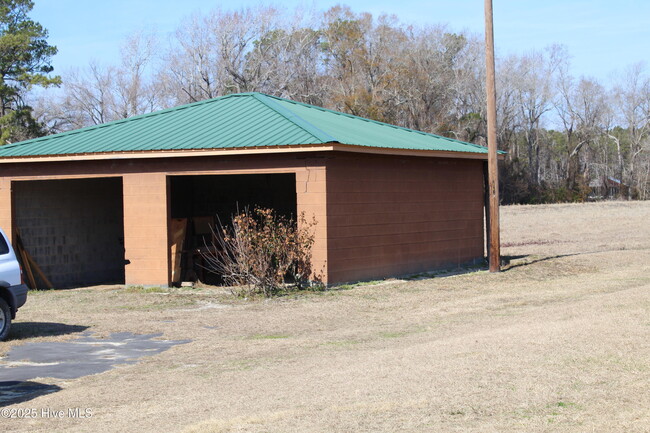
<point x="178" y="230"/>
<point x="29" y="264"/>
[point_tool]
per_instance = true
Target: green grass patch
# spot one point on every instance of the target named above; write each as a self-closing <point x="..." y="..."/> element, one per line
<point x="157" y="306"/>
<point x="394" y="334"/>
<point x="559" y="407"/>
<point x="342" y="343"/>
<point x="145" y="289"/>
<point x="238" y="365"/>
<point x="267" y="337"/>
<point x="463" y="270"/>
<point x="351" y="286"/>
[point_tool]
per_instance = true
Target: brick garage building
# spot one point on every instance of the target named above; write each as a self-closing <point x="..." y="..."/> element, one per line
<point x="94" y="205"/>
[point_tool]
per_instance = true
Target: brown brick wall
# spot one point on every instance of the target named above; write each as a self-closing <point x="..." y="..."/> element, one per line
<point x="6" y="206"/>
<point x="73" y="229"/>
<point x="146" y="218"/>
<point x="311" y="191"/>
<point x="391" y="216"/>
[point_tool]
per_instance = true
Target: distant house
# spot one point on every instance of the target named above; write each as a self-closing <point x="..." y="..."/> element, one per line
<point x="97" y="205"/>
<point x="608" y="188"/>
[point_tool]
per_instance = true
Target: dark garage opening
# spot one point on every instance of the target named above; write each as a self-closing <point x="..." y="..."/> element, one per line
<point x="205" y="200"/>
<point x="74" y="229"/>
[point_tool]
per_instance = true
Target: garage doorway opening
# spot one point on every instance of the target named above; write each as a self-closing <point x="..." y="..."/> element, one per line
<point x="200" y="203"/>
<point x="73" y="228"/>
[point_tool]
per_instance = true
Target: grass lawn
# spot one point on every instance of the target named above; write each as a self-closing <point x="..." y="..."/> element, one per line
<point x="558" y="341"/>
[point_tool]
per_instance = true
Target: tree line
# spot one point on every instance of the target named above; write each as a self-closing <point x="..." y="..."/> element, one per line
<point x="563" y="134"/>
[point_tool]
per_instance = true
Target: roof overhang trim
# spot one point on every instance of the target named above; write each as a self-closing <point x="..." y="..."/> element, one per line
<point x="153" y="154"/>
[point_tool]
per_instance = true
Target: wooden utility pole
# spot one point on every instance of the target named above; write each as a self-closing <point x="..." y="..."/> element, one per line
<point x="494" y="243"/>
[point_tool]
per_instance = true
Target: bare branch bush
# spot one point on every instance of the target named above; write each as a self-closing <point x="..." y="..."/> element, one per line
<point x="262" y="253"/>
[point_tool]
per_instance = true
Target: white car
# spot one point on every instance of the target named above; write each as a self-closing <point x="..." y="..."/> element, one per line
<point x="13" y="292"/>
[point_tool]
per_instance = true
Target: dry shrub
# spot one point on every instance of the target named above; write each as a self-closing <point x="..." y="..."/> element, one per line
<point x="263" y="253"/>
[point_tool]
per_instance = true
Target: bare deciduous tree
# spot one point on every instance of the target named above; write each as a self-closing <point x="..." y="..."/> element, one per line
<point x="560" y="132"/>
<point x="99" y="94"/>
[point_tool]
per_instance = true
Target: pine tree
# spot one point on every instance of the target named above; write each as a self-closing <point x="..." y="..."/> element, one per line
<point x="25" y="62"/>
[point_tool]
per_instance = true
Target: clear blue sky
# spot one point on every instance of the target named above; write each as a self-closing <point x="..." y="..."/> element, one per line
<point x="602" y="36"/>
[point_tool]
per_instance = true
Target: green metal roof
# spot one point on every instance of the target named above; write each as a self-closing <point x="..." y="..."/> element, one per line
<point x="242" y="120"/>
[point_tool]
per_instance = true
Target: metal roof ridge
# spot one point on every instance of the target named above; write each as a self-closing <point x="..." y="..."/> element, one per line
<point x="327" y="110"/>
<point x="293" y="118"/>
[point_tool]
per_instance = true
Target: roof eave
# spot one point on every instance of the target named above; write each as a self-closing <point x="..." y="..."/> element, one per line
<point x="151" y="154"/>
<point x="412" y="152"/>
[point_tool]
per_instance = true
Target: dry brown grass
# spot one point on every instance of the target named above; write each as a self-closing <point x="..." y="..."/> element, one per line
<point x="559" y="341"/>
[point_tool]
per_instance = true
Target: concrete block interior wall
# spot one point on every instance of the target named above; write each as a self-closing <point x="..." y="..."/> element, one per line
<point x="73" y="229"/>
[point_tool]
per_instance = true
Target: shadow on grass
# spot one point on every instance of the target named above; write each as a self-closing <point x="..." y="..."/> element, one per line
<point x="23" y="330"/>
<point x="507" y="260"/>
<point x="12" y="392"/>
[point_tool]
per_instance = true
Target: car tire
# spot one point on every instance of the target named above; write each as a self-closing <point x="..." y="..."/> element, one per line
<point x="5" y="319"/>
